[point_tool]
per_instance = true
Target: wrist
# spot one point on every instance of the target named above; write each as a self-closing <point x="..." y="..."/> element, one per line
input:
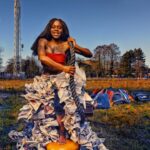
<point x="63" y="68"/>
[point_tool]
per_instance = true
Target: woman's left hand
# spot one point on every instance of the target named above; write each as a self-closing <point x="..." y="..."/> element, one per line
<point x="70" y="39"/>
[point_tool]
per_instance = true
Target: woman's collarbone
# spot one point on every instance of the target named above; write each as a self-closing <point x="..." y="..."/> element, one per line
<point x="53" y="48"/>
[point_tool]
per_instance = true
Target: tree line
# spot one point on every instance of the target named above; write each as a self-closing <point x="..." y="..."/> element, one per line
<point x="29" y="67"/>
<point x="106" y="62"/>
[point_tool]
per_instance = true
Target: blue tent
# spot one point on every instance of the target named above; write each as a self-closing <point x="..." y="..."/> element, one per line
<point x="120" y="97"/>
<point x="105" y="97"/>
<point x="141" y="96"/>
<point x="102" y="101"/>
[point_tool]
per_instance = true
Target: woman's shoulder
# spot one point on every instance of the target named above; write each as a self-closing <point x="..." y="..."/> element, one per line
<point x="42" y="41"/>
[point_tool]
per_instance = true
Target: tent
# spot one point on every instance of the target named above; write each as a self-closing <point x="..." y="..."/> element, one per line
<point x="141" y="96"/>
<point x="110" y="96"/>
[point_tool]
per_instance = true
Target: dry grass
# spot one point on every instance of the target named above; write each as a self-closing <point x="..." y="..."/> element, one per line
<point x="13" y="84"/>
<point x="119" y="83"/>
<point x="91" y="83"/>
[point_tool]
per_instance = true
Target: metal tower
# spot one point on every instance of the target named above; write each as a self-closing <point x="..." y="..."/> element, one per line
<point x="17" y="41"/>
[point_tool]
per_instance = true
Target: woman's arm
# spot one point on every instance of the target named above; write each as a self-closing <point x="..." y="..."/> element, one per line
<point x="49" y="62"/>
<point x="80" y="50"/>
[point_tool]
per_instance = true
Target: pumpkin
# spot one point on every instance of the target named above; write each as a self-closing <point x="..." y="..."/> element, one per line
<point x="69" y="145"/>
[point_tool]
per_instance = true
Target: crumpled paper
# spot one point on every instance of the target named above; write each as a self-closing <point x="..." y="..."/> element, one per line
<point x="40" y="111"/>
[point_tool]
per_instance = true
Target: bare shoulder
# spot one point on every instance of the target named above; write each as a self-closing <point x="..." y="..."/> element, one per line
<point x="42" y="41"/>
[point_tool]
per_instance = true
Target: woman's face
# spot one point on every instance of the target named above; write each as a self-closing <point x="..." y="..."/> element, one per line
<point x="56" y="29"/>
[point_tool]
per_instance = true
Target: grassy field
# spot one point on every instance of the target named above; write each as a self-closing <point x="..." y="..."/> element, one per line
<point x="124" y="127"/>
<point x="8" y="119"/>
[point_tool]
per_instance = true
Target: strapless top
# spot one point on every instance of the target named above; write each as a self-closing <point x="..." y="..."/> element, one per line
<point x="57" y="57"/>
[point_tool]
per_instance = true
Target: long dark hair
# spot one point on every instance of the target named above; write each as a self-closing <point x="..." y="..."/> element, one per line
<point x="47" y="35"/>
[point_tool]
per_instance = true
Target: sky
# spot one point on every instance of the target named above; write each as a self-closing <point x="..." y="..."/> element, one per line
<point x="91" y="22"/>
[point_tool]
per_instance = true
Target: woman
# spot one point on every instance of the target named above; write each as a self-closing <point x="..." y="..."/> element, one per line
<point x="50" y="97"/>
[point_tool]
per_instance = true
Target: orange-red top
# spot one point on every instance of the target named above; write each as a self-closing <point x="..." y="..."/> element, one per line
<point x="57" y="57"/>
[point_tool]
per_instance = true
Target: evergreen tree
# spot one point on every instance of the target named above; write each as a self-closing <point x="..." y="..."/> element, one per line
<point x="139" y="63"/>
<point x="126" y="63"/>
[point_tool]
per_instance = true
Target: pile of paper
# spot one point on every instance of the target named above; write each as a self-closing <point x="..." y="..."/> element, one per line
<point x="39" y="115"/>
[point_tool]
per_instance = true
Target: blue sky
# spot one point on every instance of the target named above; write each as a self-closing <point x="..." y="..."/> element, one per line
<point x="91" y="22"/>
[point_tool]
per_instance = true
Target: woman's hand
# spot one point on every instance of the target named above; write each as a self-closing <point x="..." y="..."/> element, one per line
<point x="70" y="39"/>
<point x="69" y="69"/>
<point x="78" y="49"/>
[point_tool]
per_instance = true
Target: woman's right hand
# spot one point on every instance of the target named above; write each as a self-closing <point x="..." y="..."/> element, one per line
<point x="69" y="69"/>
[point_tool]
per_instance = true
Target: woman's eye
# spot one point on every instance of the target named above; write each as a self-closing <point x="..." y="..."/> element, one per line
<point x="53" y="27"/>
<point x="56" y="27"/>
<point x="59" y="27"/>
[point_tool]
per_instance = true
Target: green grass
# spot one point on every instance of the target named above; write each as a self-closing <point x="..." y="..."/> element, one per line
<point x="125" y="127"/>
<point x="8" y="118"/>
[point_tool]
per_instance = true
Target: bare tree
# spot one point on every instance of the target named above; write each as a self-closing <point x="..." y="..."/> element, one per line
<point x="107" y="56"/>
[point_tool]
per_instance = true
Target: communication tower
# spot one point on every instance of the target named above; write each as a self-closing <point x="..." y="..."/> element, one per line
<point x="17" y="38"/>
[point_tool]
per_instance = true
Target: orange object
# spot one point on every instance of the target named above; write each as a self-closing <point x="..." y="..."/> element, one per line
<point x="95" y="91"/>
<point x="69" y="145"/>
<point x="131" y="98"/>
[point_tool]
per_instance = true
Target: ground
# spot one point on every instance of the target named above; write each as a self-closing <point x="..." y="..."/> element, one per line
<point x="124" y="127"/>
